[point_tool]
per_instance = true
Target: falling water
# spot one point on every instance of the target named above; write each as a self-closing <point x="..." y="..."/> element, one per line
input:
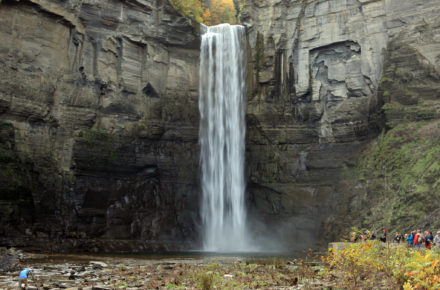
<point x="222" y="134"/>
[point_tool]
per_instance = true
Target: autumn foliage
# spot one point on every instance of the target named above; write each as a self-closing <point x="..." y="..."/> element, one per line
<point x="209" y="12"/>
<point x="374" y="265"/>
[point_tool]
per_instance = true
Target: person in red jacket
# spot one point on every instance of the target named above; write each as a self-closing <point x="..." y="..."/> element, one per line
<point x="417" y="239"/>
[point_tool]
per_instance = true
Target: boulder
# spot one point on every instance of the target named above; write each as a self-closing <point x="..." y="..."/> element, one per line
<point x="9" y="260"/>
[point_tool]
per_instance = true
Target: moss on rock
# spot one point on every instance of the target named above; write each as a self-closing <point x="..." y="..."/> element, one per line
<point x="395" y="183"/>
<point x="399" y="174"/>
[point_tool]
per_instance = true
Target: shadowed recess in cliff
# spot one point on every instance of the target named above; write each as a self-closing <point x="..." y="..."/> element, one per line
<point x="222" y="138"/>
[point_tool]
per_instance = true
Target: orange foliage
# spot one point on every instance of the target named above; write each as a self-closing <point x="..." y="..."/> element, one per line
<point x="219" y="11"/>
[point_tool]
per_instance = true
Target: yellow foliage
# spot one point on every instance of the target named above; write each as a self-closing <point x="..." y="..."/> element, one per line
<point x="206" y="14"/>
<point x="189" y="8"/>
<point x="403" y="267"/>
<point x="407" y="286"/>
<point x="220" y="11"/>
<point x="423" y="270"/>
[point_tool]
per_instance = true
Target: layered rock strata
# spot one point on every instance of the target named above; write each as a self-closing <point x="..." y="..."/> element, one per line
<point x="99" y="125"/>
<point x="395" y="183"/>
<point x="314" y="102"/>
<point x="99" y="119"/>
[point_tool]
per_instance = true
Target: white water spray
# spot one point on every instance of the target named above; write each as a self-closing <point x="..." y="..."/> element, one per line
<point x="222" y="137"/>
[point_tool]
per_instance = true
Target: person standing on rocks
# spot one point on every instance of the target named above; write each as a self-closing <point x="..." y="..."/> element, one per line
<point x="23" y="277"/>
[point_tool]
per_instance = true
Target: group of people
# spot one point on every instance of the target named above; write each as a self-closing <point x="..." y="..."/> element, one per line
<point x="416" y="239"/>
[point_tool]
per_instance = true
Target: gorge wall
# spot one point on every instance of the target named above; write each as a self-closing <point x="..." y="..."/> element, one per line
<point x="327" y="78"/>
<point x="99" y="125"/>
<point x="99" y="121"/>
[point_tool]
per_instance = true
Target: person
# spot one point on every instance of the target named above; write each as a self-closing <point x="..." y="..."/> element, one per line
<point x="428" y="240"/>
<point x="353" y="237"/>
<point x="410" y="239"/>
<point x="437" y="239"/>
<point x="421" y="239"/>
<point x="383" y="238"/>
<point x="397" y="238"/>
<point x="22" y="278"/>
<point x="416" y="239"/>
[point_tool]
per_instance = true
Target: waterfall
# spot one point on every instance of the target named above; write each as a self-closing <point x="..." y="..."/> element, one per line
<point x="222" y="137"/>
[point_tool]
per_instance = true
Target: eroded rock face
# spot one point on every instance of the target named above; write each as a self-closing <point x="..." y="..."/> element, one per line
<point x="394" y="185"/>
<point x="314" y="102"/>
<point x="98" y="104"/>
<point x="99" y="117"/>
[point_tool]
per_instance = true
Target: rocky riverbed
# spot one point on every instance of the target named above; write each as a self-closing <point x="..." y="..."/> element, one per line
<point x="162" y="272"/>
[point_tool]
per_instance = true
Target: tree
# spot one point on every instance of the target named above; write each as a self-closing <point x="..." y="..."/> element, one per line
<point x="221" y="11"/>
<point x="211" y="12"/>
<point x="189" y="8"/>
<point x="238" y="4"/>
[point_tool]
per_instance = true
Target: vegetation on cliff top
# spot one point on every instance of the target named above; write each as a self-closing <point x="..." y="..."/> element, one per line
<point x="209" y="12"/>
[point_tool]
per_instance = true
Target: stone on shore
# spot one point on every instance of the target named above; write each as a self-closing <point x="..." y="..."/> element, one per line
<point x="9" y="260"/>
<point x="339" y="245"/>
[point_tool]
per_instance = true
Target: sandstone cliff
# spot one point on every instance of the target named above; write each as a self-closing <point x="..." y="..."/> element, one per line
<point x="99" y="125"/>
<point x="99" y="121"/>
<point x="321" y="73"/>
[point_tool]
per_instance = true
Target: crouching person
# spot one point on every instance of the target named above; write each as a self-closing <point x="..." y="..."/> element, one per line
<point x="23" y="277"/>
